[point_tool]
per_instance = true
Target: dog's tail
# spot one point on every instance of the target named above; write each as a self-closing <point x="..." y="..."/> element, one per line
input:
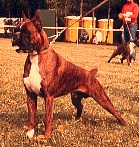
<point x="94" y="71"/>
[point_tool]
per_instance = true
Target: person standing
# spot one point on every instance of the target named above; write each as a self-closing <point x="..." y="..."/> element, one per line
<point x="129" y="17"/>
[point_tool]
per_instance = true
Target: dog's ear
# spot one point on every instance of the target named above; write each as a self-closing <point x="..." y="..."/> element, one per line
<point x="24" y="16"/>
<point x="37" y="21"/>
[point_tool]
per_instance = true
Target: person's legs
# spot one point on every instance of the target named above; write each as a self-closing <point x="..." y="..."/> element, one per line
<point x="86" y="38"/>
<point x="81" y="39"/>
<point x="133" y="29"/>
<point x="85" y="41"/>
<point x="130" y="35"/>
<point x="130" y="32"/>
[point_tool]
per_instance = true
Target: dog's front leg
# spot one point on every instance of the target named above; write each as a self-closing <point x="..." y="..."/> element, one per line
<point x="49" y="116"/>
<point x="128" y="60"/>
<point x="32" y="108"/>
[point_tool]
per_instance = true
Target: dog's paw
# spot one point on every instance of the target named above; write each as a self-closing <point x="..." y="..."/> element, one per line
<point x="121" y="60"/>
<point x="30" y="134"/>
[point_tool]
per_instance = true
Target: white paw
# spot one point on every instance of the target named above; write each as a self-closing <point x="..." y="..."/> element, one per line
<point x="130" y="65"/>
<point x="30" y="133"/>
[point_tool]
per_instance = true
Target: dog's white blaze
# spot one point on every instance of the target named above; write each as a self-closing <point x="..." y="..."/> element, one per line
<point x="30" y="133"/>
<point x="132" y="48"/>
<point x="33" y="82"/>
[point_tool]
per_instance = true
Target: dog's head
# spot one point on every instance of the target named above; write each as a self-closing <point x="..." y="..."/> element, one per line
<point x="29" y="36"/>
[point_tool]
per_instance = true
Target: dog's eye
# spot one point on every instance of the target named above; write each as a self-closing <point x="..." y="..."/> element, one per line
<point x="16" y="30"/>
<point x="25" y="31"/>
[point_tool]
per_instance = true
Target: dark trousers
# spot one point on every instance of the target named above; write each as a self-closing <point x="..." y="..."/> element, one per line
<point x="130" y="34"/>
<point x="83" y="38"/>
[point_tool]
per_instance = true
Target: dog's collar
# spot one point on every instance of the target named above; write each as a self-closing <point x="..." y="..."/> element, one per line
<point x="33" y="53"/>
<point x="36" y="53"/>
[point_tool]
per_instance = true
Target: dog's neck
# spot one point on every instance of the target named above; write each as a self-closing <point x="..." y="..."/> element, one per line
<point x="36" y="53"/>
<point x="46" y="44"/>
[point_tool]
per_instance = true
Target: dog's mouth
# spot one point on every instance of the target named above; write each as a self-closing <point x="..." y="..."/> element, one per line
<point x="19" y="50"/>
<point x="21" y="46"/>
<point x="16" y="48"/>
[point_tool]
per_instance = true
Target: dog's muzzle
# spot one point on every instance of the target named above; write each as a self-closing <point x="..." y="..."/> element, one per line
<point x="15" y="38"/>
<point x="20" y="46"/>
<point x="16" y="41"/>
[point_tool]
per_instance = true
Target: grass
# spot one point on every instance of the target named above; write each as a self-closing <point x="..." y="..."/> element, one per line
<point x="96" y="128"/>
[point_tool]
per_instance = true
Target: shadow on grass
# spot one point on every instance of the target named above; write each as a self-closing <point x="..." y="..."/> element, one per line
<point x="14" y="119"/>
<point x="125" y="93"/>
<point x="117" y="63"/>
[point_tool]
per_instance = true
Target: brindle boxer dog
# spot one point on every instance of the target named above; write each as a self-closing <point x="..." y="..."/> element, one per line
<point x="126" y="49"/>
<point x="48" y="75"/>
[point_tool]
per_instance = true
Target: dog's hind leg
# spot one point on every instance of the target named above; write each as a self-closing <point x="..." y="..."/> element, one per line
<point x="124" y="56"/>
<point x="128" y="60"/>
<point x="101" y="98"/>
<point x="115" y="53"/>
<point x="76" y="98"/>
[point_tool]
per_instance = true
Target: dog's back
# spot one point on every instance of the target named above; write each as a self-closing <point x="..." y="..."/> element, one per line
<point x="66" y="76"/>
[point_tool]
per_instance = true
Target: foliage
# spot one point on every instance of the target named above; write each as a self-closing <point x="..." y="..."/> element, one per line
<point x="13" y="8"/>
<point x="68" y="7"/>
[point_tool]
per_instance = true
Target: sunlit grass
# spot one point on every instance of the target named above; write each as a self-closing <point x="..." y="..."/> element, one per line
<point x="96" y="127"/>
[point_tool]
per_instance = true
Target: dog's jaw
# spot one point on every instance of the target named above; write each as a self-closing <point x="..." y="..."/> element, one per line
<point x="30" y="134"/>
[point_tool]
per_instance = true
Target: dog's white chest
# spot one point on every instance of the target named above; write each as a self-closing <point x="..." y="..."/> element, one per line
<point x="132" y="48"/>
<point x="33" y="82"/>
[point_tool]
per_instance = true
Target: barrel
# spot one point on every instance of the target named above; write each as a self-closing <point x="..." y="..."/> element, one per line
<point x="103" y="24"/>
<point x="71" y="33"/>
<point x="87" y="25"/>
